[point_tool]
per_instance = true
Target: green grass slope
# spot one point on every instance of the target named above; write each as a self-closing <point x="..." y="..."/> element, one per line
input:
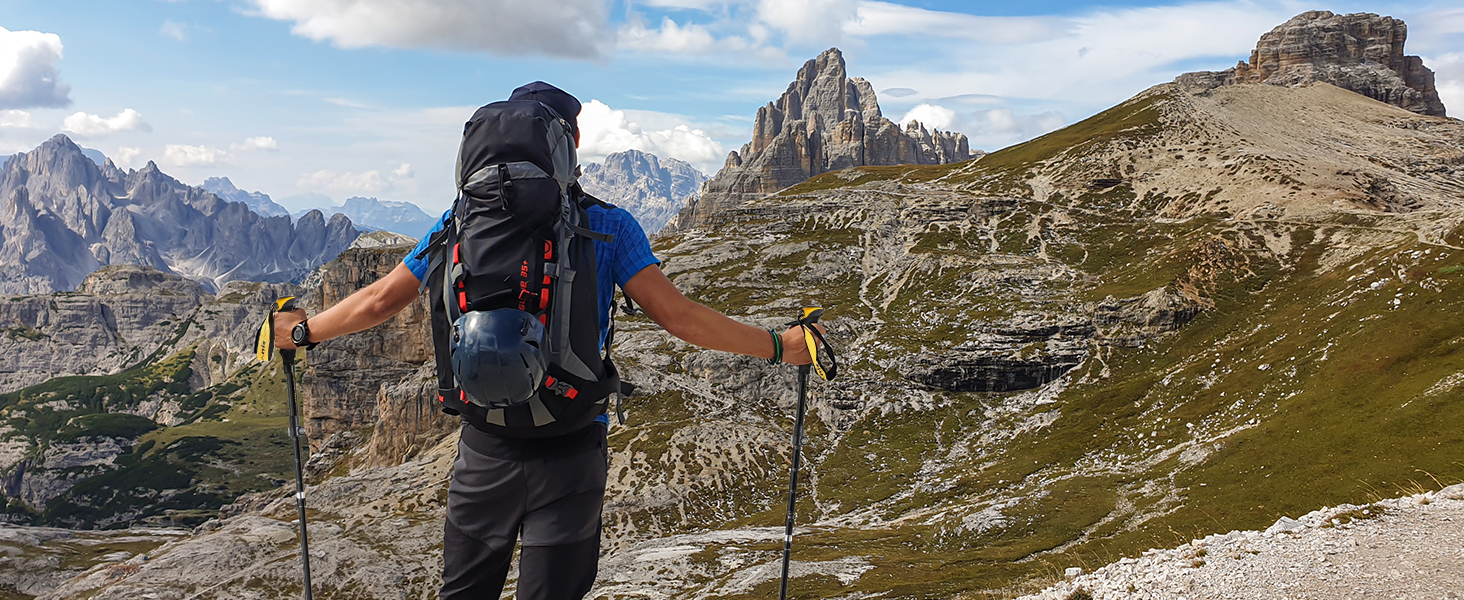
<point x="1327" y="368"/>
<point x="231" y="441"/>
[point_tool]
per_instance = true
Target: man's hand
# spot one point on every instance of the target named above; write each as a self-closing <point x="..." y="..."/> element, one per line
<point x="795" y="345"/>
<point x="284" y="325"/>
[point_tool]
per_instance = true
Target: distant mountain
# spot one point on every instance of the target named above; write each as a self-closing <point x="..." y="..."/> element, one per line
<point x="398" y="217"/>
<point x="825" y="121"/>
<point x="258" y="201"/>
<point x="650" y="188"/>
<point x="62" y="217"/>
<point x="299" y="204"/>
<point x="95" y="155"/>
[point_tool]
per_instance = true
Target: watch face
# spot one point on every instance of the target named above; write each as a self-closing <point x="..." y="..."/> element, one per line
<point x="300" y="335"/>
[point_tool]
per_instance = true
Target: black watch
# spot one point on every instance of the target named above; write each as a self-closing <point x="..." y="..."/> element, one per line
<point x="300" y="336"/>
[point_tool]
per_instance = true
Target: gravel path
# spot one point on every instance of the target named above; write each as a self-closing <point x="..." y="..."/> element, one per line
<point x="1409" y="548"/>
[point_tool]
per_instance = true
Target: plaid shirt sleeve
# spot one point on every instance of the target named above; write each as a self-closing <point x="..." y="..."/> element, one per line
<point x="632" y="249"/>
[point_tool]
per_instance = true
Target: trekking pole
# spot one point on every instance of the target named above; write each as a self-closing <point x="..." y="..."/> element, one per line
<point x="817" y="349"/>
<point x="263" y="348"/>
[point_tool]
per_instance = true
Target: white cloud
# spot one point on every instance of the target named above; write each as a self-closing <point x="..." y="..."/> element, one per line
<point x="672" y="37"/>
<point x="988" y="129"/>
<point x="604" y="130"/>
<point x="14" y="119"/>
<point x="28" y="73"/>
<point x="571" y="28"/>
<point x="1002" y="121"/>
<point x="811" y="21"/>
<point x="257" y="143"/>
<point x="194" y="156"/>
<point x="884" y="18"/>
<point x="177" y="31"/>
<point x="1449" y="80"/>
<point x="369" y="182"/>
<point x="346" y="102"/>
<point x="404" y="171"/>
<point x="93" y="125"/>
<point x="125" y="156"/>
<point x="931" y="116"/>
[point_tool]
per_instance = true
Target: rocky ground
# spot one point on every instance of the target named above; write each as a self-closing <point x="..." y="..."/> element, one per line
<point x="1410" y="547"/>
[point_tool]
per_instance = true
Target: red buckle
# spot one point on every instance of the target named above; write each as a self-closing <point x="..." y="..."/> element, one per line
<point x="455" y="254"/>
<point x="463" y="301"/>
<point x="548" y="250"/>
<point x="561" y="388"/>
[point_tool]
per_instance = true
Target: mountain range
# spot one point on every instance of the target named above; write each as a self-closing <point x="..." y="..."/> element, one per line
<point x="1217" y="303"/>
<point x="62" y="217"/>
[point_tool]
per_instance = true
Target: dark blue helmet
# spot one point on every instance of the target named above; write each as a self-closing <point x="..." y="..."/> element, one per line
<point x="499" y="356"/>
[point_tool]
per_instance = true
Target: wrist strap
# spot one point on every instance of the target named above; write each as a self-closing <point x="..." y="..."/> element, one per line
<point x="777" y="348"/>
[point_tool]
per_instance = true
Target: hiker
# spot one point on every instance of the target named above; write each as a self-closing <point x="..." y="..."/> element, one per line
<point x="534" y="467"/>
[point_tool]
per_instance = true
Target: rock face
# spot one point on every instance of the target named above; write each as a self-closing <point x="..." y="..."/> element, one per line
<point x="1361" y="52"/>
<point x="650" y="188"/>
<point x="824" y="122"/>
<point x="62" y="217"/>
<point x="259" y="202"/>
<point x="383" y="377"/>
<point x="118" y="316"/>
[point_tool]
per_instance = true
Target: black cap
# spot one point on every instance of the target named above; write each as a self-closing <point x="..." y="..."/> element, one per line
<point x="559" y="100"/>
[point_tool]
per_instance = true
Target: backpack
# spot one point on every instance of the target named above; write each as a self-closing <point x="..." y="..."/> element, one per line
<point x="518" y="238"/>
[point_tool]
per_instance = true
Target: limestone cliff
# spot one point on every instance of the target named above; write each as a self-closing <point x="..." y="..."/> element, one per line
<point x="121" y="315"/>
<point x="824" y="122"/>
<point x="1361" y="52"/>
<point x="382" y="379"/>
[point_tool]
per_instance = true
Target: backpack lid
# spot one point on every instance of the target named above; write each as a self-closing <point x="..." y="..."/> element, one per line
<point x="517" y="131"/>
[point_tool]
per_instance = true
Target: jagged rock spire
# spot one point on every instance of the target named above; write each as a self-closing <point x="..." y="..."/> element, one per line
<point x="824" y="121"/>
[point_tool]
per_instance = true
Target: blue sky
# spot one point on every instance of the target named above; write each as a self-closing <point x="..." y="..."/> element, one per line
<point x="367" y="97"/>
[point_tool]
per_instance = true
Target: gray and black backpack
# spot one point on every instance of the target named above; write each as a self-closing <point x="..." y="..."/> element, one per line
<point x="517" y="247"/>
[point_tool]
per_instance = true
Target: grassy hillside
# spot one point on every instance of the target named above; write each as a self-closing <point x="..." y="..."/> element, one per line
<point x="231" y="440"/>
<point x="1326" y="367"/>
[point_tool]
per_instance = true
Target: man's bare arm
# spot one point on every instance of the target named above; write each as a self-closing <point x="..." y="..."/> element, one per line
<point x="366" y="308"/>
<point x="696" y="324"/>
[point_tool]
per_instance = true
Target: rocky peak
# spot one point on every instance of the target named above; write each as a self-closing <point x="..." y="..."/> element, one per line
<point x="1360" y="52"/>
<point x="650" y="188"/>
<point x="825" y="121"/>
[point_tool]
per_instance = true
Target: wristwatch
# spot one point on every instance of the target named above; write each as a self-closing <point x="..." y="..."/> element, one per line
<point x="300" y="336"/>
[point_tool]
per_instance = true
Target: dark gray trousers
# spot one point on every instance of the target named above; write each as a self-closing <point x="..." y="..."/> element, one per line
<point x="549" y="492"/>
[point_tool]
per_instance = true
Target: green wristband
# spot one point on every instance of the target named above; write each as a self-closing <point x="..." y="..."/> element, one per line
<point x="777" y="348"/>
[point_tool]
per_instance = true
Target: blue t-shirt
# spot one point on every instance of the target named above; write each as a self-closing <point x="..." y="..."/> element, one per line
<point x="615" y="262"/>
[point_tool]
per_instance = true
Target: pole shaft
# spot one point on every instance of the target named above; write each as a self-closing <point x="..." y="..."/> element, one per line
<point x="296" y="431"/>
<point x="793" y="480"/>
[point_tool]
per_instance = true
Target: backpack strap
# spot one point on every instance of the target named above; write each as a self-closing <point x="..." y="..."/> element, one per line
<point x="434" y="249"/>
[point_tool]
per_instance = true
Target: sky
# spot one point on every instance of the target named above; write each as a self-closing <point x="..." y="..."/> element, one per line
<point x="309" y="99"/>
